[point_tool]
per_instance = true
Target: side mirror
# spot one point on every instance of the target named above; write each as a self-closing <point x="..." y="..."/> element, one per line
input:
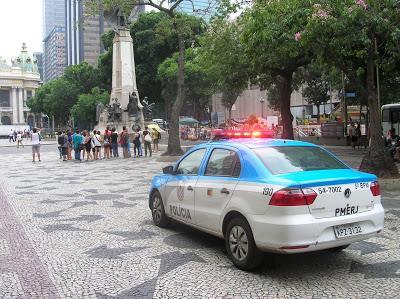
<point x="168" y="170"/>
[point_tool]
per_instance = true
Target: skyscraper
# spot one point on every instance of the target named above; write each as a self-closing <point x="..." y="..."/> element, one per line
<point x="53" y="39"/>
<point x="53" y="15"/>
<point x="54" y="53"/>
<point x="83" y="33"/>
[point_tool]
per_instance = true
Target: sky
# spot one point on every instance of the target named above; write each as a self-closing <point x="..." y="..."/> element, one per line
<point x="20" y="21"/>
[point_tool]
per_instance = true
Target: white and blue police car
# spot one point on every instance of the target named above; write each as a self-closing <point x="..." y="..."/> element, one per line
<point x="262" y="194"/>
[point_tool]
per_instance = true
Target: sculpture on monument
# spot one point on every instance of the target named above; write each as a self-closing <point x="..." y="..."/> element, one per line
<point x="125" y="108"/>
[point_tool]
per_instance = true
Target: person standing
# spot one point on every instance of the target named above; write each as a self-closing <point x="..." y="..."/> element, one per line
<point x="19" y="139"/>
<point x="156" y="136"/>
<point x="353" y="136"/>
<point x="63" y="141"/>
<point x="35" y="138"/>
<point x="136" y="143"/>
<point x="14" y="135"/>
<point x="88" y="146"/>
<point x="147" y="141"/>
<point x="69" y="145"/>
<point x="97" y="145"/>
<point x="77" y="142"/>
<point x="107" y="143"/>
<point x="123" y="140"/>
<point x="114" y="143"/>
<point x="11" y="136"/>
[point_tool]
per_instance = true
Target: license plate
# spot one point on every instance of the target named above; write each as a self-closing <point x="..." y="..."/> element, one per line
<point x="347" y="230"/>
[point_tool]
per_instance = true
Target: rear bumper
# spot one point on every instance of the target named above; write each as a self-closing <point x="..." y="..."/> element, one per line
<point x="273" y="233"/>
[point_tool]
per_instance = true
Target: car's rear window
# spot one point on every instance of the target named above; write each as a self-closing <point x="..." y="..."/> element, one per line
<point x="286" y="159"/>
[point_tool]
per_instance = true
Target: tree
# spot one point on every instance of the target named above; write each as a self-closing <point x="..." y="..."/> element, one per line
<point x="198" y="84"/>
<point x="275" y="48"/>
<point x="181" y="29"/>
<point x="222" y="55"/>
<point x="355" y="36"/>
<point x="84" y="111"/>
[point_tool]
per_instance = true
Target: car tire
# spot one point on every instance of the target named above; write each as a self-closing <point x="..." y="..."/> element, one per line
<point x="240" y="245"/>
<point x="340" y="248"/>
<point x="157" y="210"/>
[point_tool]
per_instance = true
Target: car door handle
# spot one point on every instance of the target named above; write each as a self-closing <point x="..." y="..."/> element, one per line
<point x="225" y="191"/>
<point x="190" y="188"/>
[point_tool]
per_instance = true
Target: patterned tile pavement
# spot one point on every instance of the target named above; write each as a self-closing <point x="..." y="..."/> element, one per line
<point x="83" y="230"/>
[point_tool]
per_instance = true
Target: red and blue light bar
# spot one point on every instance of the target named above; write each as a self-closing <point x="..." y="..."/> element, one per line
<point x="231" y="134"/>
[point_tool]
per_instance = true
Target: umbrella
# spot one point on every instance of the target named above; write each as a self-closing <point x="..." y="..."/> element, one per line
<point x="155" y="126"/>
<point x="188" y="121"/>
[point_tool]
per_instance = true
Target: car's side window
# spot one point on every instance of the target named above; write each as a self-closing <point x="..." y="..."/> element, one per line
<point x="190" y="165"/>
<point x="223" y="162"/>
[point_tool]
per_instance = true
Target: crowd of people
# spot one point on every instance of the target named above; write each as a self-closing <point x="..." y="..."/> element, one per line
<point x="95" y="145"/>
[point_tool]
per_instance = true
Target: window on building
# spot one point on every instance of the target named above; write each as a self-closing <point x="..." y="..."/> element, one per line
<point x="4" y="98"/>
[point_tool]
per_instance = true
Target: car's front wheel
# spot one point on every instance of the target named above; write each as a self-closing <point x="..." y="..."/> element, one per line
<point x="240" y="245"/>
<point x="157" y="210"/>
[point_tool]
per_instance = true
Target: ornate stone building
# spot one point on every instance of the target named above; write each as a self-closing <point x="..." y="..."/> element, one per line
<point x="18" y="83"/>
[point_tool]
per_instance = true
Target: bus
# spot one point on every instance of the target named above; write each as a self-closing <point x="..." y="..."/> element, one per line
<point x="391" y="117"/>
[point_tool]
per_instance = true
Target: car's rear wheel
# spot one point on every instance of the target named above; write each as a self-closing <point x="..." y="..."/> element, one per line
<point x="240" y="245"/>
<point x="157" y="210"/>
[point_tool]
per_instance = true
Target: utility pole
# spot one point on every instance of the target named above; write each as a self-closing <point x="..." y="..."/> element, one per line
<point x="378" y="89"/>
<point x="344" y="106"/>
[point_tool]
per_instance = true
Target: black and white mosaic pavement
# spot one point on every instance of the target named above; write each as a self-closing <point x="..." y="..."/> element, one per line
<point x="84" y="230"/>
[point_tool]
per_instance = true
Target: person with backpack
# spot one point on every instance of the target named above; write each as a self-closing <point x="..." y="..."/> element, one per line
<point x="88" y="146"/>
<point x="107" y="143"/>
<point x="123" y="140"/>
<point x="137" y="144"/>
<point x="147" y="141"/>
<point x="78" y="145"/>
<point x="114" y="143"/>
<point x="63" y="144"/>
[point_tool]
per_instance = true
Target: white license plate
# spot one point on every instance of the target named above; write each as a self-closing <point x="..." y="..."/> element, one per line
<point x="347" y="230"/>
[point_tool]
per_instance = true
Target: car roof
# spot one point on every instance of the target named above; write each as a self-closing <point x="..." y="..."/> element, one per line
<point x="260" y="142"/>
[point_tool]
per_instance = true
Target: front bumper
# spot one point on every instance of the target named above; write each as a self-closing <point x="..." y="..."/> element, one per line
<point x="273" y="233"/>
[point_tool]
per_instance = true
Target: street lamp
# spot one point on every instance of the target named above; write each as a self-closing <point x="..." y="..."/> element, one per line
<point x="262" y="100"/>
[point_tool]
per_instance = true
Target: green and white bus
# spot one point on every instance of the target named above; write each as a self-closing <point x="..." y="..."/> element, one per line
<point x="391" y="117"/>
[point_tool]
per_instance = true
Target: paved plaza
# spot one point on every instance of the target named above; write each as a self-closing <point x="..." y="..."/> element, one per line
<point x="84" y="230"/>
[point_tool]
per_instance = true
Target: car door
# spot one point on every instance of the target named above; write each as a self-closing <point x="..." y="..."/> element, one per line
<point x="179" y="190"/>
<point x="215" y="187"/>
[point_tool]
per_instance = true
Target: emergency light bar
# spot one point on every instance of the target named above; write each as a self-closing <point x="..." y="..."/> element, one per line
<point x="230" y="134"/>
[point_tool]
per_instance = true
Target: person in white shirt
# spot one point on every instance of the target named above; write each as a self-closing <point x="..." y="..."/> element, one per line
<point x="35" y="137"/>
<point x="19" y="139"/>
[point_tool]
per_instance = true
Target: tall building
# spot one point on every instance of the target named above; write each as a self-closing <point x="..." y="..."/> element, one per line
<point x="18" y="83"/>
<point x="39" y="58"/>
<point x="54" y="59"/>
<point x="199" y="8"/>
<point x="54" y="54"/>
<point x="53" y="15"/>
<point x="83" y="33"/>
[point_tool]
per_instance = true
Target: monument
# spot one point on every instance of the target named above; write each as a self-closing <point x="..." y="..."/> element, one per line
<point x="124" y="108"/>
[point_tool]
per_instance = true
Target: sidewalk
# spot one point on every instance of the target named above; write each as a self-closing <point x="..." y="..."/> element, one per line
<point x="26" y="142"/>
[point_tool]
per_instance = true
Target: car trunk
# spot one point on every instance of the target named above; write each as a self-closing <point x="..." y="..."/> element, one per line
<point x="340" y="192"/>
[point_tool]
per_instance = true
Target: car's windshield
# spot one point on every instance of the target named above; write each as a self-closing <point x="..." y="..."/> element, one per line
<point x="286" y="159"/>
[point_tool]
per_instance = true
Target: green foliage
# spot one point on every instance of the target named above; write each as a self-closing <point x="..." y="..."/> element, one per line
<point x="84" y="110"/>
<point x="57" y="97"/>
<point x="222" y="55"/>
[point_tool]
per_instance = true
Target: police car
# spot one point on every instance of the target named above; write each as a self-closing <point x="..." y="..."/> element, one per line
<point x="262" y="194"/>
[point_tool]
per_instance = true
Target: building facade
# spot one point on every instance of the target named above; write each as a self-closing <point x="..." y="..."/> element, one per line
<point x="54" y="54"/>
<point x="83" y="33"/>
<point x="18" y="83"/>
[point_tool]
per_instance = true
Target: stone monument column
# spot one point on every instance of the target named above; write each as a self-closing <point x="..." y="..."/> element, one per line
<point x="14" y="106"/>
<point x="123" y="75"/>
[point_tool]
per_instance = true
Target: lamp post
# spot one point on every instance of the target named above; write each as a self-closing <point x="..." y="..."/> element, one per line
<point x="262" y="100"/>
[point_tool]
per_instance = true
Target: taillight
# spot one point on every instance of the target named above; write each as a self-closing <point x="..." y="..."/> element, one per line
<point x="375" y="189"/>
<point x="293" y="197"/>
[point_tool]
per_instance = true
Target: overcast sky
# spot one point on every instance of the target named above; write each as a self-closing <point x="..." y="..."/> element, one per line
<point x="20" y="21"/>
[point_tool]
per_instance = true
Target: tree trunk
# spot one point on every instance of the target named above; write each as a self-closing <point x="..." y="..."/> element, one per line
<point x="377" y="160"/>
<point x="285" y="91"/>
<point x="174" y="142"/>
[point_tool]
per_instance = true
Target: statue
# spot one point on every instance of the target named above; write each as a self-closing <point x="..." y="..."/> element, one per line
<point x="115" y="111"/>
<point x="133" y="105"/>
<point x="121" y="22"/>
<point x="99" y="110"/>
